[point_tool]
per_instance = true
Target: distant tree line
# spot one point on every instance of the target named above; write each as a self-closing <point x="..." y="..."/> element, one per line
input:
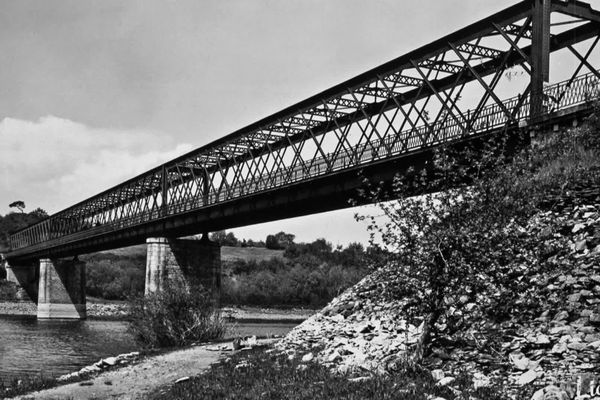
<point x="14" y="221"/>
<point x="306" y="275"/>
<point x="225" y="238"/>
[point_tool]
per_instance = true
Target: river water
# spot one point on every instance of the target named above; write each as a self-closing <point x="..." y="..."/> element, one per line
<point x="29" y="346"/>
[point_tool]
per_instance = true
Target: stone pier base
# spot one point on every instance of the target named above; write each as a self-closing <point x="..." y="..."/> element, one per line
<point x="26" y="278"/>
<point x="61" y="289"/>
<point x="186" y="261"/>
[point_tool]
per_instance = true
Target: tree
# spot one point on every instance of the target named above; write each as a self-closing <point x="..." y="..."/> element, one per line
<point x="39" y="213"/>
<point x="218" y="236"/>
<point x="231" y="240"/>
<point x="285" y="239"/>
<point x="457" y="253"/>
<point x="280" y="241"/>
<point x="224" y="238"/>
<point x="272" y="243"/>
<point x="19" y="204"/>
<point x="353" y="255"/>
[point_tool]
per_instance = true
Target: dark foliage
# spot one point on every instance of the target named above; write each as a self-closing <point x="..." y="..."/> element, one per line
<point x="113" y="277"/>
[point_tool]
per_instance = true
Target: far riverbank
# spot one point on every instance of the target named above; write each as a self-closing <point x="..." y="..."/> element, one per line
<point x="117" y="310"/>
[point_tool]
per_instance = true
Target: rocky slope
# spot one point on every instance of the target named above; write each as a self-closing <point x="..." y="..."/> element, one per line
<point x="363" y="331"/>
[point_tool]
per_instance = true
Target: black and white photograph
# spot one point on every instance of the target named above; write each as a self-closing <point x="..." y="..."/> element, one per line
<point x="300" y="199"/>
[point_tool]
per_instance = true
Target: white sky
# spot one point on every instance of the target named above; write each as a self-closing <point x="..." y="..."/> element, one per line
<point x="93" y="92"/>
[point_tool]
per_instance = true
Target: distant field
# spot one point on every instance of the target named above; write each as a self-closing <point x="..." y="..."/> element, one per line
<point x="227" y="253"/>
<point x="131" y="251"/>
<point x="249" y="253"/>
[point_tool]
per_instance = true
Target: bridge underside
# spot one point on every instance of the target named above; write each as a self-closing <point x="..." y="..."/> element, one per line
<point x="306" y="158"/>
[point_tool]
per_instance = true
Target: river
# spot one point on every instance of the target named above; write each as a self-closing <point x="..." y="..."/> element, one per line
<point x="29" y="346"/>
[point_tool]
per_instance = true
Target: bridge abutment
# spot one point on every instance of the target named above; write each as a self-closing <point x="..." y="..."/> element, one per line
<point x="61" y="289"/>
<point x="25" y="276"/>
<point x="185" y="261"/>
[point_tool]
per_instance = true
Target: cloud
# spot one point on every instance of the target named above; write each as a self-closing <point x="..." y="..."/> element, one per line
<point x="53" y="163"/>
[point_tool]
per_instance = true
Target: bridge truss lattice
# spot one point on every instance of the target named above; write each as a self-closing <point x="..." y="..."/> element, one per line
<point x="448" y="90"/>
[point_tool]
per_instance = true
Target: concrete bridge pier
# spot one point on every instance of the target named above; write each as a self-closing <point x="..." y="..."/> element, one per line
<point x="186" y="261"/>
<point x="25" y="276"/>
<point x="61" y="289"/>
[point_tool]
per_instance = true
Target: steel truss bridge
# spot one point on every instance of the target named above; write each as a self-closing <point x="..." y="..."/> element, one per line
<point x="305" y="158"/>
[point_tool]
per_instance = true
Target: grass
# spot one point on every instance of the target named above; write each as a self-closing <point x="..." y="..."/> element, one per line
<point x="249" y="253"/>
<point x="259" y="374"/>
<point x="25" y="384"/>
<point x="228" y="253"/>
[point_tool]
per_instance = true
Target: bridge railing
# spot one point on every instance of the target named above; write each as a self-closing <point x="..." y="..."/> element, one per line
<point x="558" y="97"/>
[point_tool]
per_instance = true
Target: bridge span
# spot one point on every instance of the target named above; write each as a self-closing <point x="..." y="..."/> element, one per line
<point x="306" y="158"/>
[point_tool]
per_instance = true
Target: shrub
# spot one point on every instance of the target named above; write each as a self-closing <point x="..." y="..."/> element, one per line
<point x="8" y="290"/>
<point x="458" y="251"/>
<point x="175" y="316"/>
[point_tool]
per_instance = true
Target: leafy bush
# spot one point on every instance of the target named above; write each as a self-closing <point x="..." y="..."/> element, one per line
<point x="459" y="251"/>
<point x="176" y="316"/>
<point x="8" y="290"/>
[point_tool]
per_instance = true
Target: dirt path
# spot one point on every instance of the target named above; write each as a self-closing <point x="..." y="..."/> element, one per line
<point x="135" y="381"/>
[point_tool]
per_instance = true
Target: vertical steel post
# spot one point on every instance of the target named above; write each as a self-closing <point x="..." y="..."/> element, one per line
<point x="540" y="55"/>
<point x="205" y="197"/>
<point x="163" y="191"/>
<point x="205" y="189"/>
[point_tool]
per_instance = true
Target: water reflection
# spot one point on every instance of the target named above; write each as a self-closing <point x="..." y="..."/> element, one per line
<point x="57" y="347"/>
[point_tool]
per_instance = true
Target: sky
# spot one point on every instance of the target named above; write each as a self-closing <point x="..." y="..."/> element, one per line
<point x="95" y="92"/>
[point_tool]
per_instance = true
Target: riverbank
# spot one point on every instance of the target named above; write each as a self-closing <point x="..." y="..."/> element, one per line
<point x="95" y="310"/>
<point x="136" y="381"/>
<point x="117" y="310"/>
